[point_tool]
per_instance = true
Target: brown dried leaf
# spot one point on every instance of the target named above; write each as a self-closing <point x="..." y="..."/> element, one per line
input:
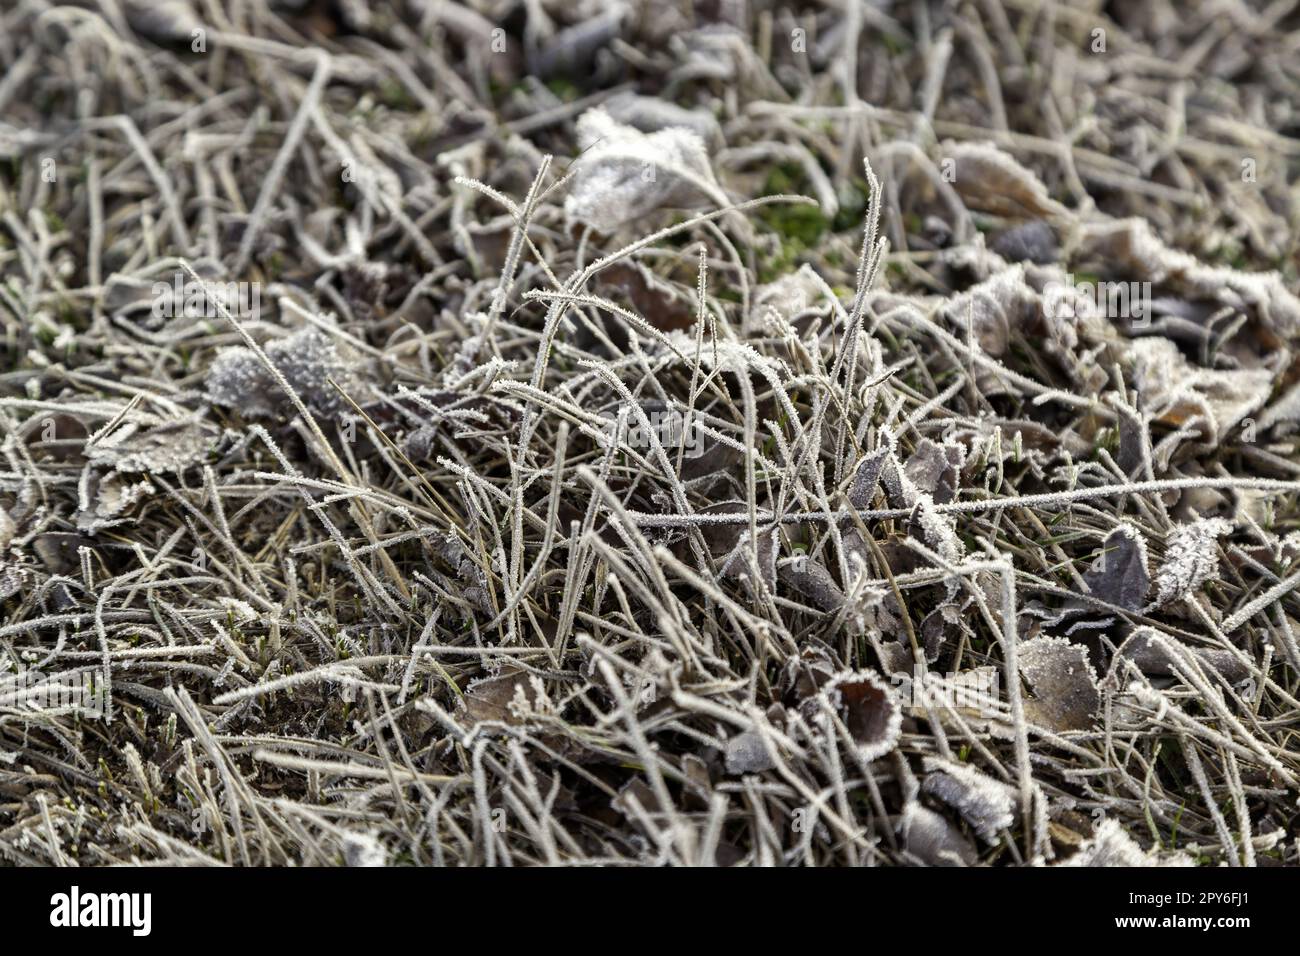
<point x="1064" y="685"/>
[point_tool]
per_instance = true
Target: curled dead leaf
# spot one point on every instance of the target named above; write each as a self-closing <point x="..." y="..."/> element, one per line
<point x="985" y="803"/>
<point x="868" y="708"/>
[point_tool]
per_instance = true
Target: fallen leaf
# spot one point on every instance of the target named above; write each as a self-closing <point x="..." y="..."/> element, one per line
<point x="988" y="805"/>
<point x="868" y="708"/>
<point x="1111" y="846"/>
<point x="1191" y="558"/>
<point x="1120" y="574"/>
<point x="1064" y="685"/>
<point x="747" y="753"/>
<point x="989" y="180"/>
<point x="933" y="839"/>
<point x="623" y="174"/>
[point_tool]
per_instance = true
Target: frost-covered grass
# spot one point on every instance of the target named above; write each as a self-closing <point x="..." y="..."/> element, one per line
<point x="666" y="439"/>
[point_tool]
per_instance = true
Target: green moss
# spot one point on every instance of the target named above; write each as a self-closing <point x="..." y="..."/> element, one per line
<point x="563" y="87"/>
<point x="803" y="224"/>
<point x="799" y="227"/>
<point x="395" y="96"/>
<point x="274" y="266"/>
<point x="895" y="45"/>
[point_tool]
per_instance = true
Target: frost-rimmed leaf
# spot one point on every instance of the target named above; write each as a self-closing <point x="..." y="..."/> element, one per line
<point x="933" y="839"/>
<point x="308" y="359"/>
<point x="868" y="708"/>
<point x="1159" y="654"/>
<point x="939" y="530"/>
<point x="650" y="114"/>
<point x="936" y="468"/>
<point x="624" y="174"/>
<point x="739" y="562"/>
<point x="780" y="303"/>
<point x="1110" y="846"/>
<point x="489" y="698"/>
<point x="940" y="628"/>
<point x="1191" y="558"/>
<point x="867" y="477"/>
<point x="811" y="578"/>
<point x="1131" y="248"/>
<point x="993" y="310"/>
<point x="169" y="447"/>
<point x="987" y="804"/>
<point x="1066" y="696"/>
<point x="163" y="21"/>
<point x="1032" y="241"/>
<point x="747" y="753"/>
<point x="806" y="674"/>
<point x="991" y="180"/>
<point x="1121" y="574"/>
<point x="1176" y="392"/>
<point x="113" y="496"/>
<point x="729" y="545"/>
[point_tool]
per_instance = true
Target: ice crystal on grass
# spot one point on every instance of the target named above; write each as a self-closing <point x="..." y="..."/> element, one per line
<point x="1191" y="558"/>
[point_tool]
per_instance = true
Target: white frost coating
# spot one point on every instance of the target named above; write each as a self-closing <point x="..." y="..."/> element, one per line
<point x="867" y="707"/>
<point x="362" y="849"/>
<point x="781" y="301"/>
<point x="623" y="174"/>
<point x="307" y="358"/>
<point x="940" y="531"/>
<point x="1111" y="846"/>
<point x="988" y="805"/>
<point x="1176" y="391"/>
<point x="172" y="446"/>
<point x="1191" y="558"/>
<point x="1131" y="244"/>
